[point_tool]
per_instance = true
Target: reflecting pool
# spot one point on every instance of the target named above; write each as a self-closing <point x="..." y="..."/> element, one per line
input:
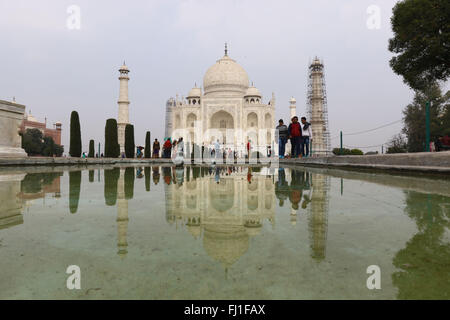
<point x="243" y="232"/>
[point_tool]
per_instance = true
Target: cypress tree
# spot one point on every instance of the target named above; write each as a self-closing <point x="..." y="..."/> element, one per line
<point x="112" y="148"/>
<point x="129" y="141"/>
<point x="91" y="149"/>
<point x="75" y="135"/>
<point x="147" y="151"/>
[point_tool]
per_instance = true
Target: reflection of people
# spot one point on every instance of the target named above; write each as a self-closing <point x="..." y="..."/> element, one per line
<point x="139" y="173"/>
<point x="167" y="175"/>
<point x="156" y="175"/>
<point x="281" y="187"/>
<point x="296" y="188"/>
<point x="217" y="175"/>
<point x="249" y="175"/>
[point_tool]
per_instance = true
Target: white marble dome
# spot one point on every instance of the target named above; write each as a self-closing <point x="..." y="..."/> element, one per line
<point x="225" y="76"/>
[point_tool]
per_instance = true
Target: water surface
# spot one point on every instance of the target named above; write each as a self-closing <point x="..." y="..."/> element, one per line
<point x="222" y="233"/>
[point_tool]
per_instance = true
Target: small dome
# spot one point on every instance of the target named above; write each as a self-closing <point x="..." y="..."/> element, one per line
<point x="225" y="76"/>
<point x="58" y="123"/>
<point x="124" y="67"/>
<point x="292" y="100"/>
<point x="252" y="92"/>
<point x="30" y="117"/>
<point x="195" y="93"/>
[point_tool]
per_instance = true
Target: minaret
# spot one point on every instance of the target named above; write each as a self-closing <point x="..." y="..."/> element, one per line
<point x="317" y="109"/>
<point x="123" y="118"/>
<point x="292" y="108"/>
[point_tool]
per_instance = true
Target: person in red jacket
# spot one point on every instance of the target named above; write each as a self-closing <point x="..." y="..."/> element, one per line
<point x="295" y="134"/>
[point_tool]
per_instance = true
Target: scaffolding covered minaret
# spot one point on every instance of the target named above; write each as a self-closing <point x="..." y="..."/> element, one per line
<point x="317" y="109"/>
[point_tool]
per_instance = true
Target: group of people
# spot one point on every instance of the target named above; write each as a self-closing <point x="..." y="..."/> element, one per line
<point x="170" y="149"/>
<point x="300" y="135"/>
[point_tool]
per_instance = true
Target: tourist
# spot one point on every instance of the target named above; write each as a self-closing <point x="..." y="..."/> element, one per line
<point x="249" y="147"/>
<point x="83" y="155"/>
<point x="295" y="134"/>
<point x="174" y="149"/>
<point x="283" y="134"/>
<point x="306" y="137"/>
<point x="167" y="148"/>
<point x="101" y="156"/>
<point x="156" y="148"/>
<point x="217" y="148"/>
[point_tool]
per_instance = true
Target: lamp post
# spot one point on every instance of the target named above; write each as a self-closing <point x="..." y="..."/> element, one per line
<point x="427" y="126"/>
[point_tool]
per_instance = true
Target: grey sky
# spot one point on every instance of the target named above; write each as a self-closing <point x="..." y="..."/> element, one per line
<point x="169" y="45"/>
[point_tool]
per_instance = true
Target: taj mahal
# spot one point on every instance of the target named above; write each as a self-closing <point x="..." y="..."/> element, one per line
<point x="227" y="109"/>
<point x="231" y="111"/>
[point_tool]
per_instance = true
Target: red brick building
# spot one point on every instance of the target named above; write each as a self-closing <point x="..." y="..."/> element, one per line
<point x="30" y="122"/>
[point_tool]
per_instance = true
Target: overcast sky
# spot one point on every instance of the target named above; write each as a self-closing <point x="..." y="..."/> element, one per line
<point x="169" y="45"/>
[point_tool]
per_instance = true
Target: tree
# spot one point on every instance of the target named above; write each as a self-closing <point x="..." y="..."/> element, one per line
<point x="32" y="141"/>
<point x="414" y="117"/>
<point x="397" y="144"/>
<point x="75" y="135"/>
<point x="147" y="151"/>
<point x="129" y="141"/>
<point x="112" y="148"/>
<point x="91" y="149"/>
<point x="421" y="41"/>
<point x="50" y="148"/>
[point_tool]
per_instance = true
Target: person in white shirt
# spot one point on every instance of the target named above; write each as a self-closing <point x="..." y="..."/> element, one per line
<point x="306" y="137"/>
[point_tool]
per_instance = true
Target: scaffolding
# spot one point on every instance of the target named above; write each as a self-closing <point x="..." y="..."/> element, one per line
<point x="317" y="109"/>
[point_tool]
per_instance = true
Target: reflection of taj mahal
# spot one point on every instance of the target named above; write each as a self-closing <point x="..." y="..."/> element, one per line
<point x="228" y="109"/>
<point x="225" y="208"/>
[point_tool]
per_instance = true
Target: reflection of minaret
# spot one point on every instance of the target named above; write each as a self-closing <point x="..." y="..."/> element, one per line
<point x="123" y="118"/>
<point x="122" y="216"/>
<point x="318" y="215"/>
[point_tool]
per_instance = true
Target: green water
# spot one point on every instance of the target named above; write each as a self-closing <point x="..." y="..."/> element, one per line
<point x="222" y="233"/>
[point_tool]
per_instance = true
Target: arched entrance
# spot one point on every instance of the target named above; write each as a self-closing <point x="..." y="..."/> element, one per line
<point x="222" y="121"/>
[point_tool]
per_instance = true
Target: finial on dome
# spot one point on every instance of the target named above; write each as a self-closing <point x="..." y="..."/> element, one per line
<point x="226" y="49"/>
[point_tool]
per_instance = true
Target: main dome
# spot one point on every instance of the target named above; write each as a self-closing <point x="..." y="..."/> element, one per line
<point x="225" y="76"/>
